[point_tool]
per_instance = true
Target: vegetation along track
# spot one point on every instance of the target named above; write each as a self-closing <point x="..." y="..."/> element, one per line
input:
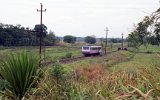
<point x="67" y="60"/>
<point x="73" y="59"/>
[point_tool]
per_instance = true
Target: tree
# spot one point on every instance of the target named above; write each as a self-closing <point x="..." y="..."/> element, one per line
<point x="134" y="40"/>
<point x="38" y="28"/>
<point x="142" y="30"/>
<point x="5" y="39"/>
<point x="153" y="40"/>
<point x="50" y="38"/>
<point x="157" y="32"/>
<point x="18" y="35"/>
<point x="114" y="40"/>
<point x="148" y="30"/>
<point x="69" y="39"/>
<point x="141" y="35"/>
<point x="90" y="40"/>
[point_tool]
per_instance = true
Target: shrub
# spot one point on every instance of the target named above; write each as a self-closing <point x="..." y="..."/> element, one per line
<point x="57" y="71"/>
<point x="19" y="70"/>
<point x="68" y="55"/>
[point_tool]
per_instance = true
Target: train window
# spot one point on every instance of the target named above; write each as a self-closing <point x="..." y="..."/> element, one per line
<point x="85" y="48"/>
<point x="94" y="48"/>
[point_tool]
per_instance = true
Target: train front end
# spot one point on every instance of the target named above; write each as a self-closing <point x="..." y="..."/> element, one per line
<point x="86" y="50"/>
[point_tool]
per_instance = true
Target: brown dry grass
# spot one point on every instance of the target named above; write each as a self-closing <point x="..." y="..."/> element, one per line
<point x="91" y="73"/>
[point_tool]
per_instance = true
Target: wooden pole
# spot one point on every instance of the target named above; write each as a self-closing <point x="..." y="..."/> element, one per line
<point x="122" y="41"/>
<point x="106" y="40"/>
<point x="41" y="32"/>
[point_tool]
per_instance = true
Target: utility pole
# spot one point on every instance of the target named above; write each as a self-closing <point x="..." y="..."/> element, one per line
<point x="159" y="3"/>
<point x="122" y="41"/>
<point x="106" y="39"/>
<point x="40" y="39"/>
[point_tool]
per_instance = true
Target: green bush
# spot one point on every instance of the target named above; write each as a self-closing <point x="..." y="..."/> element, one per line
<point x="19" y="70"/>
<point x="68" y="55"/>
<point x="57" y="71"/>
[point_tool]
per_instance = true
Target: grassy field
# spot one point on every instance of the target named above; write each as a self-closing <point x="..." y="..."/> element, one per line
<point x="120" y="75"/>
<point x="126" y="59"/>
<point x="149" y="48"/>
<point x="140" y="60"/>
<point x="133" y="75"/>
<point x="51" y="53"/>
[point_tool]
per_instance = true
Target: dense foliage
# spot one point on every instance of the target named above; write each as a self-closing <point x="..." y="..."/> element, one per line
<point x="11" y="35"/>
<point x="69" y="39"/>
<point x="147" y="31"/>
<point x="90" y="40"/>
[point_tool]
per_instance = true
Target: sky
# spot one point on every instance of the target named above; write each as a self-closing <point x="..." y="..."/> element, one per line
<point x="79" y="18"/>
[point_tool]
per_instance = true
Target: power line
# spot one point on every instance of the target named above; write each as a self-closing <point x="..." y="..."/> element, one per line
<point x="159" y="3"/>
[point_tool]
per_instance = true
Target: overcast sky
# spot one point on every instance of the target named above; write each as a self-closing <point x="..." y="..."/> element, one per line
<point x="79" y="17"/>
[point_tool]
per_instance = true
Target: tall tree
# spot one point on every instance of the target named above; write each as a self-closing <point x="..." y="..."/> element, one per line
<point x="157" y="32"/>
<point x="38" y="30"/>
<point x="69" y="39"/>
<point x="50" y="38"/>
<point x="90" y="39"/>
<point x="147" y="31"/>
<point x="17" y="35"/>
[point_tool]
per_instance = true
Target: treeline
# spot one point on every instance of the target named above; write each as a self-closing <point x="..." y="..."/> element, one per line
<point x="90" y="39"/>
<point x="17" y="35"/>
<point x="147" y="31"/>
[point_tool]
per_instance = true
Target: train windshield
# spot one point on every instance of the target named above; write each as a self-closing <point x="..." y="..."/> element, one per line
<point x="85" y="48"/>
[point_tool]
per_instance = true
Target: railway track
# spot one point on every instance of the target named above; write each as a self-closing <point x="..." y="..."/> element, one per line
<point x="67" y="60"/>
<point x="73" y="59"/>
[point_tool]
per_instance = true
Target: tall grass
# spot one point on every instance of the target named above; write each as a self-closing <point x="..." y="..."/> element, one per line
<point x="19" y="70"/>
<point x="95" y="83"/>
<point x="91" y="80"/>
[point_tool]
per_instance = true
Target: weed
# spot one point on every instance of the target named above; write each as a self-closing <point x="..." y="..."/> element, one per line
<point x="68" y="55"/>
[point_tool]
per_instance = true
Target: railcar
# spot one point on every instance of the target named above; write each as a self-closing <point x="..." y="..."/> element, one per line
<point x="91" y="50"/>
